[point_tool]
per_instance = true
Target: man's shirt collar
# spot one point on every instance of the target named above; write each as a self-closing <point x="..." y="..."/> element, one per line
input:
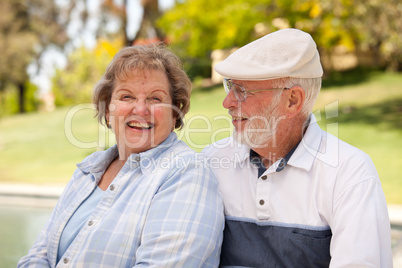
<point x="302" y="155"/>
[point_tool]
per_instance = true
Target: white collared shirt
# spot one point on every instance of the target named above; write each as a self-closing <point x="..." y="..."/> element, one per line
<point x="327" y="187"/>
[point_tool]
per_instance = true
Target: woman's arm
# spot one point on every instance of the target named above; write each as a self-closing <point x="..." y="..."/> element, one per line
<point x="38" y="255"/>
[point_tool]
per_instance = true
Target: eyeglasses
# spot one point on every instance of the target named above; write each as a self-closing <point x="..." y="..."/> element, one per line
<point x="239" y="91"/>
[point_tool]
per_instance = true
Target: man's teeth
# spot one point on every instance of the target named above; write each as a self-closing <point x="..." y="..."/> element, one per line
<point x="238" y="118"/>
<point x="140" y="125"/>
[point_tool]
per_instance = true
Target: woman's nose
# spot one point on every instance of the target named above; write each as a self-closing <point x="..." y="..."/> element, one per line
<point x="141" y="108"/>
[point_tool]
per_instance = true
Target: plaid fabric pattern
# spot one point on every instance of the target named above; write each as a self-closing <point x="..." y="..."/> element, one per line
<point x="162" y="210"/>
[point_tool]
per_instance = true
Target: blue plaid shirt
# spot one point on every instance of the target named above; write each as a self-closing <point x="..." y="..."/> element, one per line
<point x="163" y="209"/>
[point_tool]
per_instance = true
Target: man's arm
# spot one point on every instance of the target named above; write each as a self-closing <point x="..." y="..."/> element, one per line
<point x="360" y="223"/>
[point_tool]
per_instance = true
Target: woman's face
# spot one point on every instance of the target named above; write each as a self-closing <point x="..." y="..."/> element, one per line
<point x="140" y="111"/>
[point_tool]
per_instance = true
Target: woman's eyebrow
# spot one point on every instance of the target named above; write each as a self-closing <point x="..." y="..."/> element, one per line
<point x="159" y="90"/>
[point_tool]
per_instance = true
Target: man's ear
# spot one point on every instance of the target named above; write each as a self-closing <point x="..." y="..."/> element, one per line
<point x="295" y="101"/>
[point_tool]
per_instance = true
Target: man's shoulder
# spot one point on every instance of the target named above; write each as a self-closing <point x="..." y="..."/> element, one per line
<point x="344" y="157"/>
<point x="329" y="148"/>
<point x="217" y="144"/>
<point x="346" y="151"/>
<point x="224" y="147"/>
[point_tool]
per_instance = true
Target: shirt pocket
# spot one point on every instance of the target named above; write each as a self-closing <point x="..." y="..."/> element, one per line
<point x="311" y="247"/>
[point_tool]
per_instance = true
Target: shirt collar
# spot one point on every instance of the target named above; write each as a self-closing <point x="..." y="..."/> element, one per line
<point x="306" y="152"/>
<point x="98" y="162"/>
<point x="302" y="155"/>
<point x="255" y="159"/>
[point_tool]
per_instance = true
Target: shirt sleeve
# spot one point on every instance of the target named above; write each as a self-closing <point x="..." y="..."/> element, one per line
<point x="185" y="222"/>
<point x="38" y="255"/>
<point x="361" y="235"/>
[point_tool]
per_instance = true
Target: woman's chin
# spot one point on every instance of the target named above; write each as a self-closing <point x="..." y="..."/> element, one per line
<point x="135" y="145"/>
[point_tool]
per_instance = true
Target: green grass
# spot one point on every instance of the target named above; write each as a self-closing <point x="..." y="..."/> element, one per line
<point x="367" y="109"/>
<point x="34" y="148"/>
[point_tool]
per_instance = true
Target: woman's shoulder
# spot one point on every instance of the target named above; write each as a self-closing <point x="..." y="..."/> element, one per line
<point x="180" y="147"/>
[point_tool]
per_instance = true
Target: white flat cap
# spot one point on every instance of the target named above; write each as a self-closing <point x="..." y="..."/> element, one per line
<point x="284" y="53"/>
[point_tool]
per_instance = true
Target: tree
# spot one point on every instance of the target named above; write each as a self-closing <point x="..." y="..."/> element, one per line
<point x="148" y="29"/>
<point x="378" y="27"/>
<point x="196" y="27"/>
<point x="75" y="83"/>
<point x="27" y="28"/>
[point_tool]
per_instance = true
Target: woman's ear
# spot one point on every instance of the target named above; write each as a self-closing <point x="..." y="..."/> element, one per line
<point x="107" y="120"/>
<point x="295" y="103"/>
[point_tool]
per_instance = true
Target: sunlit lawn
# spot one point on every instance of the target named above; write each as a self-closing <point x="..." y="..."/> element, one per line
<point x="367" y="111"/>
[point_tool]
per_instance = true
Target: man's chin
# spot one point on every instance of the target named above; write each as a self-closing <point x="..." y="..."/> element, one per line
<point x="238" y="137"/>
<point x="254" y="141"/>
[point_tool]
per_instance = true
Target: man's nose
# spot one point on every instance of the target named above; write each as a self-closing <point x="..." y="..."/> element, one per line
<point x="230" y="101"/>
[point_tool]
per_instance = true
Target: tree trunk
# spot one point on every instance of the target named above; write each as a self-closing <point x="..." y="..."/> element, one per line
<point x="148" y="30"/>
<point x="127" y="40"/>
<point x="21" y="97"/>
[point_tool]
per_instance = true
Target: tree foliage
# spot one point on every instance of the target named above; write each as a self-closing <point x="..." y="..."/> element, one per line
<point x="196" y="27"/>
<point x="27" y="28"/>
<point x="75" y="83"/>
<point x="9" y="99"/>
<point x="377" y="25"/>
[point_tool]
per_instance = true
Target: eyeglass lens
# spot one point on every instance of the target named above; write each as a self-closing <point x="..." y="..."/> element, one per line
<point x="238" y="91"/>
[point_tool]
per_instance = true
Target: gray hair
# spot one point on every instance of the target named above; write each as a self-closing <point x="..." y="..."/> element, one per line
<point x="311" y="87"/>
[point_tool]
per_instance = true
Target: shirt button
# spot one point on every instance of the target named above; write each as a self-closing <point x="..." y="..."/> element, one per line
<point x="111" y="187"/>
<point x="90" y="223"/>
<point x="264" y="177"/>
<point x="65" y="260"/>
<point x="137" y="158"/>
<point x="282" y="163"/>
<point x="262" y="202"/>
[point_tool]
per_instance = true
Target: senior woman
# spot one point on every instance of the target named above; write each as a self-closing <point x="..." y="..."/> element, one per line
<point x="148" y="200"/>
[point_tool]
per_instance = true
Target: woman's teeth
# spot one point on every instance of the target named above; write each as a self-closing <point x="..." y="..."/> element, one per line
<point x="140" y="125"/>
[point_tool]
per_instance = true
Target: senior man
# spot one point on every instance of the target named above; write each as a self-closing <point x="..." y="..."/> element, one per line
<point x="294" y="195"/>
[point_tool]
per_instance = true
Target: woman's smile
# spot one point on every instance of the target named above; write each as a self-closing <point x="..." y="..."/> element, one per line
<point x="140" y="126"/>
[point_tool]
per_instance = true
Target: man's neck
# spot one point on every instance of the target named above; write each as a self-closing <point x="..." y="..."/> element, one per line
<point x="286" y="139"/>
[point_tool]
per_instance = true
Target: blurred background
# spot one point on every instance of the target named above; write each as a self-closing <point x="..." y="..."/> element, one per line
<point x="52" y="53"/>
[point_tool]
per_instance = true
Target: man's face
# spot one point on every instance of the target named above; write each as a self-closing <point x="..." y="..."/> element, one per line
<point x="256" y="119"/>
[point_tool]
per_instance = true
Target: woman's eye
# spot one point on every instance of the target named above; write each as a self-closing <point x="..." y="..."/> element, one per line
<point x="156" y="99"/>
<point x="126" y="97"/>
